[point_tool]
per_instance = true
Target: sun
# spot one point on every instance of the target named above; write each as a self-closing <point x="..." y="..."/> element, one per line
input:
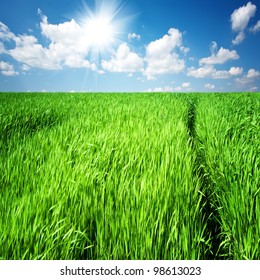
<point x="99" y="31"/>
<point x="102" y="24"/>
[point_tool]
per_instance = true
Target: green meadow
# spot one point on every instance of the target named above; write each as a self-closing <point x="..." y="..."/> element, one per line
<point x="129" y="176"/>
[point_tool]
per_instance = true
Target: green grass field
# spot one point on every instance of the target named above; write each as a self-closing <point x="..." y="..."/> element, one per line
<point x="129" y="176"/>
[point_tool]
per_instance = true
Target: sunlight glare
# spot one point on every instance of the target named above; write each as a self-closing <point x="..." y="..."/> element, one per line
<point x="99" y="31"/>
<point x="101" y="24"/>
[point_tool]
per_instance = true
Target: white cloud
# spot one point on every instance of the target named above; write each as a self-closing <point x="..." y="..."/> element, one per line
<point x="69" y="34"/>
<point x="26" y="67"/>
<point x="241" y="16"/>
<point x="253" y="74"/>
<point x="76" y="61"/>
<point x="185" y="85"/>
<point x="123" y="61"/>
<point x="161" y="89"/>
<point x="208" y="71"/>
<point x="253" y="89"/>
<point x="25" y="40"/>
<point x="69" y="43"/>
<point x="256" y="27"/>
<point x="220" y="74"/>
<point x="5" y="33"/>
<point x="202" y="72"/>
<point x="2" y="48"/>
<point x="39" y="11"/>
<point x="170" y="63"/>
<point x="68" y="46"/>
<point x="184" y="50"/>
<point x="161" y="56"/>
<point x="29" y="52"/>
<point x="165" y="44"/>
<point x="10" y="73"/>
<point x="7" y="69"/>
<point x="218" y="57"/>
<point x="132" y="36"/>
<point x="248" y="78"/>
<point x="240" y="19"/>
<point x="5" y="66"/>
<point x="209" y="86"/>
<point x="239" y="38"/>
<point x="213" y="47"/>
<point x="235" y="71"/>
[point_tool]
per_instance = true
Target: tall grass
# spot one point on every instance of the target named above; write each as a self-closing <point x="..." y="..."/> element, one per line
<point x="129" y="176"/>
<point x="99" y="176"/>
<point x="228" y="132"/>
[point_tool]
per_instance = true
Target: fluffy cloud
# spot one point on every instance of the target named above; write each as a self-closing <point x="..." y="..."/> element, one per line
<point x="132" y="36"/>
<point x="240" y="19"/>
<point x="241" y="16"/>
<point x="184" y="50"/>
<point x="123" y="61"/>
<point x="253" y="74"/>
<point x="253" y="89"/>
<point x="5" y="66"/>
<point x="239" y="38"/>
<point x="235" y="71"/>
<point x="161" y="55"/>
<point x="182" y="89"/>
<point x="249" y="78"/>
<point x="170" y="63"/>
<point x="68" y="46"/>
<point x="69" y="43"/>
<point x="2" y="48"/>
<point x="25" y="67"/>
<point x="209" y="86"/>
<point x="5" y="33"/>
<point x="7" y="69"/>
<point x="185" y="85"/>
<point x="68" y="34"/>
<point x="76" y="61"/>
<point x="161" y="89"/>
<point x="208" y="71"/>
<point x="224" y="74"/>
<point x="202" y="72"/>
<point x="256" y="27"/>
<point x="178" y="89"/>
<point x="28" y="51"/>
<point x="218" y="56"/>
<point x="165" y="44"/>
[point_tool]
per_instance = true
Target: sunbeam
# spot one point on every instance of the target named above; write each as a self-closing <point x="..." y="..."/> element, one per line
<point x="103" y="24"/>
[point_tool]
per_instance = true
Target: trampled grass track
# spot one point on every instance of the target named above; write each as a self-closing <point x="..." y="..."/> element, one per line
<point x="228" y="134"/>
<point x="118" y="176"/>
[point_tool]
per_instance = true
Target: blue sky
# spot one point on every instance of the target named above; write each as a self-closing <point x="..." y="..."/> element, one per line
<point x="125" y="46"/>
